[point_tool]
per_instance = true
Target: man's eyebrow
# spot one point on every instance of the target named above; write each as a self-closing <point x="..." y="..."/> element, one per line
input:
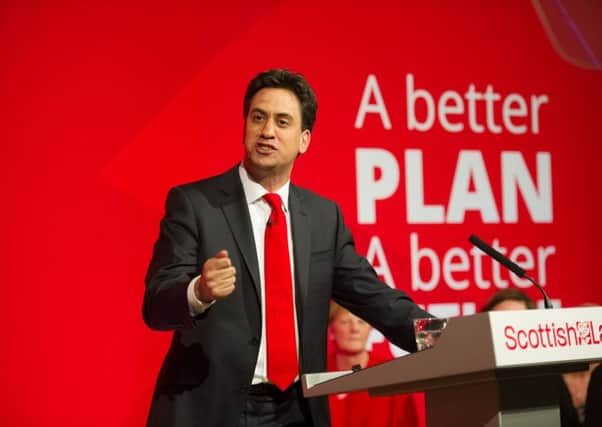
<point x="284" y="116"/>
<point x="258" y="110"/>
<point x="278" y="115"/>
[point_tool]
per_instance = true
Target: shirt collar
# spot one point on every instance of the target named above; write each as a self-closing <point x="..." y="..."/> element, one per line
<point x="254" y="191"/>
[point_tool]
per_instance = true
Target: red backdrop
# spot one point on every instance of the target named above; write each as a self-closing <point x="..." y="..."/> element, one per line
<point x="105" y="107"/>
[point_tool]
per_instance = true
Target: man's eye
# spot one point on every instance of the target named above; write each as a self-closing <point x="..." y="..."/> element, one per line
<point x="283" y="122"/>
<point x="257" y="117"/>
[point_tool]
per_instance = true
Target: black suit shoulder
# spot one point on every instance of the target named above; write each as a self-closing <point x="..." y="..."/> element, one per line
<point x="313" y="200"/>
<point x="214" y="189"/>
<point x="226" y="178"/>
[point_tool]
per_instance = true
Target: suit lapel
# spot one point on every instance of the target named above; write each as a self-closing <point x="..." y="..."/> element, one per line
<point x="301" y="243"/>
<point x="235" y="210"/>
<point x="237" y="214"/>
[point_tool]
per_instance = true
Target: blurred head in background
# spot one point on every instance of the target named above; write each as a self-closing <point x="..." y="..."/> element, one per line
<point x="509" y="299"/>
<point x="349" y="332"/>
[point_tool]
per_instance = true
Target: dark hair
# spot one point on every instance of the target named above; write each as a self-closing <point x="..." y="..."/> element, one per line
<point x="509" y="294"/>
<point x="284" y="79"/>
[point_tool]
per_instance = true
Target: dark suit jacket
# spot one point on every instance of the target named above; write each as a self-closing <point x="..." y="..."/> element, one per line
<point x="209" y="366"/>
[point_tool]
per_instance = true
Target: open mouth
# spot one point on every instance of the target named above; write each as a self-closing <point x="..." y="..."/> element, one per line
<point x="263" y="148"/>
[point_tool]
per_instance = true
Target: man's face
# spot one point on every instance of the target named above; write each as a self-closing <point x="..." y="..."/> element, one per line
<point x="350" y="332"/>
<point x="273" y="137"/>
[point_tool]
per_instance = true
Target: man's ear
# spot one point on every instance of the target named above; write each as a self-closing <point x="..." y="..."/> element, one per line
<point x="305" y="140"/>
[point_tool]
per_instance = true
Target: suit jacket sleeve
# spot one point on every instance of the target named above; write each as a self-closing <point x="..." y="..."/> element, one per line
<point x="358" y="288"/>
<point x="173" y="265"/>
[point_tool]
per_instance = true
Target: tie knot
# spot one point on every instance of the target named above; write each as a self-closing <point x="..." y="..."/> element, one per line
<point x="273" y="199"/>
<point x="275" y="203"/>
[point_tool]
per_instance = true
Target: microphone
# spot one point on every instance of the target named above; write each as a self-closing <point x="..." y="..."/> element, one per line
<point x="513" y="267"/>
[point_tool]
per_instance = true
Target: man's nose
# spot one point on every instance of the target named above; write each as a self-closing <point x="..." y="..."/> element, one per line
<point x="267" y="131"/>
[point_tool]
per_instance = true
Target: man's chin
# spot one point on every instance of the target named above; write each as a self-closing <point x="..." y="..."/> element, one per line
<point x="259" y="160"/>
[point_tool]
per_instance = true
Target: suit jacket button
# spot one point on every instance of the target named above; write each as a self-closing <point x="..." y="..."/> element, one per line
<point x="254" y="341"/>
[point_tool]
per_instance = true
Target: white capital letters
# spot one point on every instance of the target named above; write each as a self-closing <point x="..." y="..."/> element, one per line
<point x="379" y="107"/>
<point x="417" y="211"/>
<point x="370" y="189"/>
<point x="470" y="166"/>
<point x="515" y="176"/>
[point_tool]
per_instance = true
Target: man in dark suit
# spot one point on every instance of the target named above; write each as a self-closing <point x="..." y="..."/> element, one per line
<point x="207" y="278"/>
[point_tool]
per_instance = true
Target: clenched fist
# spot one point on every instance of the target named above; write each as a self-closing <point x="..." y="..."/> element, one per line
<point x="217" y="279"/>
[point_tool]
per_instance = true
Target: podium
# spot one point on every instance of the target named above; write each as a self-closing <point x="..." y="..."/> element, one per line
<point x="495" y="369"/>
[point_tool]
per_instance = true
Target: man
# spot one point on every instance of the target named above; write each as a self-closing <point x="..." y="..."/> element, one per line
<point x="212" y="275"/>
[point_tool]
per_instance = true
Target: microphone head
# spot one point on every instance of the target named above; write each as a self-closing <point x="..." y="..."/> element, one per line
<point x="496" y="255"/>
<point x="506" y="262"/>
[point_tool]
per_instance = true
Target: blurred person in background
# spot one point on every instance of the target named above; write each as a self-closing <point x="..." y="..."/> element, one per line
<point x="509" y="299"/>
<point x="593" y="402"/>
<point x="349" y="335"/>
<point x="574" y="391"/>
<point x="573" y="396"/>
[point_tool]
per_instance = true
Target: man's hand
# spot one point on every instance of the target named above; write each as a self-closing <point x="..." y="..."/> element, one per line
<point x="217" y="278"/>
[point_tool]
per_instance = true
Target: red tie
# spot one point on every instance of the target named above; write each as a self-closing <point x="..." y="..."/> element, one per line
<point x="280" y="316"/>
